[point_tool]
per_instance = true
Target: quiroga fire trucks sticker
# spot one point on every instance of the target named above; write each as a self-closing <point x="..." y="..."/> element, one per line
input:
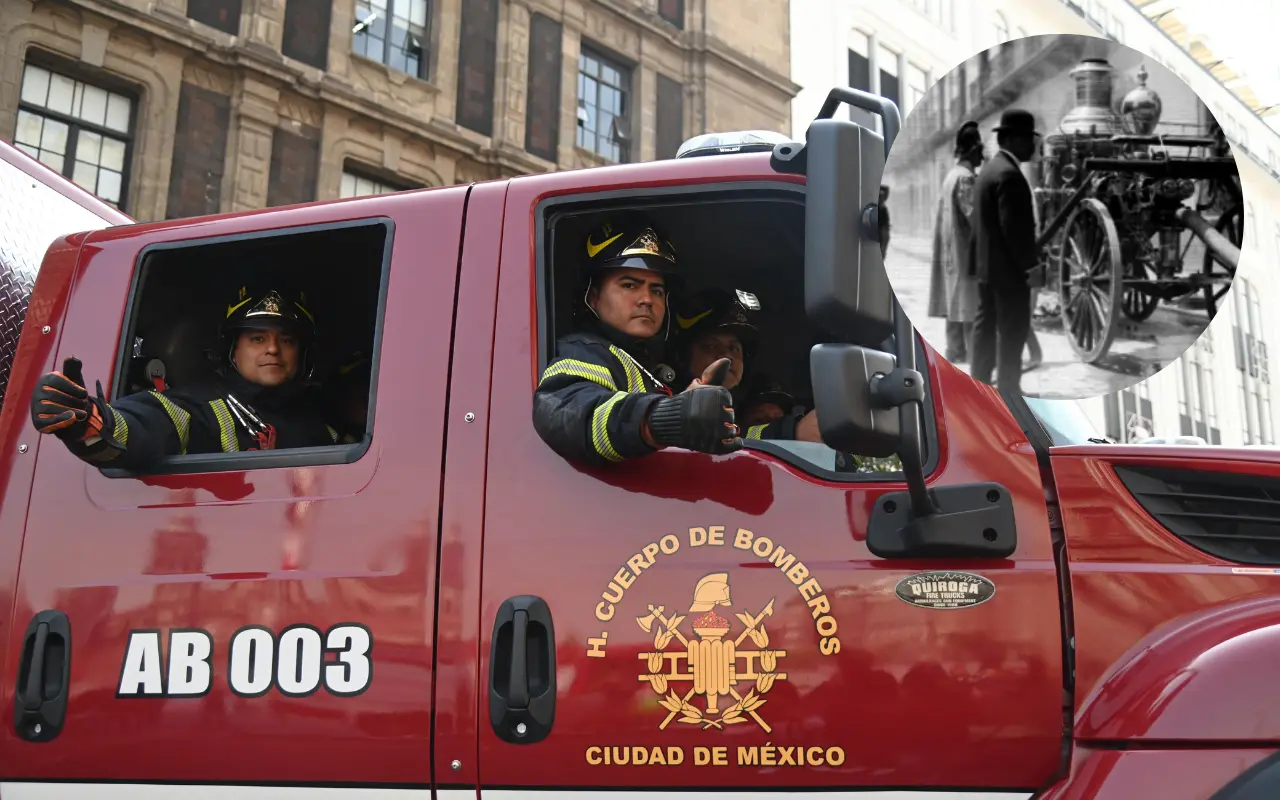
<point x="296" y="662"/>
<point x="712" y="671"/>
<point x="945" y="590"/>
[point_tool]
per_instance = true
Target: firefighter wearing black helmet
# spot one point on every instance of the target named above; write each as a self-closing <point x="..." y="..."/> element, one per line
<point x="605" y="397"/>
<point x="716" y="324"/>
<point x="257" y="400"/>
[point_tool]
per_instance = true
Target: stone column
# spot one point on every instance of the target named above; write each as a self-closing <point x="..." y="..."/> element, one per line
<point x="513" y="75"/>
<point x="646" y="128"/>
<point x="572" y="40"/>
<point x="256" y="118"/>
<point x="445" y="66"/>
<point x="262" y="26"/>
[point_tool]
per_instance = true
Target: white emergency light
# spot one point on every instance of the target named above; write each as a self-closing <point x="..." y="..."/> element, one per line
<point x="715" y="144"/>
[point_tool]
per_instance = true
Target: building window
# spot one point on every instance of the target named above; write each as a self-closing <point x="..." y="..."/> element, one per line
<point x="393" y="32"/>
<point x="916" y="83"/>
<point x="887" y="65"/>
<point x="672" y="11"/>
<point x="83" y="131"/>
<point x="306" y="32"/>
<point x="603" y="116"/>
<point x="860" y="75"/>
<point x="542" y="100"/>
<point x="1252" y="364"/>
<point x="355" y="184"/>
<point x="221" y="14"/>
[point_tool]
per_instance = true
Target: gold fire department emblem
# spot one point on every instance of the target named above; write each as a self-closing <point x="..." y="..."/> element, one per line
<point x="711" y="661"/>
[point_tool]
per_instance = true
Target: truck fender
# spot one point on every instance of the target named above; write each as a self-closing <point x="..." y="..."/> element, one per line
<point x="1205" y="676"/>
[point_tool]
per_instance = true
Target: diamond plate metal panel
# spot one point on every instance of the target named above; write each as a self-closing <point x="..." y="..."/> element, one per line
<point x="32" y="215"/>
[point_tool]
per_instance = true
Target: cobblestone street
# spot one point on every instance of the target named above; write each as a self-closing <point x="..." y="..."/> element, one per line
<point x="1138" y="351"/>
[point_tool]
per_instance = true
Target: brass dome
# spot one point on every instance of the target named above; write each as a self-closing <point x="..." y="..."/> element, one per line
<point x="1141" y="107"/>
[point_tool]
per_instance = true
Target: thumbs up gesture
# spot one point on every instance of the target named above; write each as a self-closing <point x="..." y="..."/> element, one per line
<point x="62" y="406"/>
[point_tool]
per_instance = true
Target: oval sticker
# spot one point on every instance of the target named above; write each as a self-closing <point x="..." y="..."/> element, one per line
<point x="945" y="590"/>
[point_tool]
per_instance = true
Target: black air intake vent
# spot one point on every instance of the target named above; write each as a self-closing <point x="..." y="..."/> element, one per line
<point x="1233" y="517"/>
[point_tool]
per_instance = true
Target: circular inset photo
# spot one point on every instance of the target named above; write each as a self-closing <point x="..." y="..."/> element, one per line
<point x="1066" y="216"/>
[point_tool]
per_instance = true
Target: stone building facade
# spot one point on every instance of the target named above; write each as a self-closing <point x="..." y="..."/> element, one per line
<point x="177" y="108"/>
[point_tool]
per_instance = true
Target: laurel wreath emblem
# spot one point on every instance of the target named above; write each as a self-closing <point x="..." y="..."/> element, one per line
<point x="690" y="714"/>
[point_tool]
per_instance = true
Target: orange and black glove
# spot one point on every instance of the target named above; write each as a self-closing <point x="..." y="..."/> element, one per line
<point x="62" y="406"/>
<point x="701" y="418"/>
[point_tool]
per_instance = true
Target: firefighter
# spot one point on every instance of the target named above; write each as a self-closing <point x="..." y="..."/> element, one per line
<point x="600" y="400"/>
<point x="763" y="401"/>
<point x="347" y="397"/>
<point x="714" y="325"/>
<point x="258" y="399"/>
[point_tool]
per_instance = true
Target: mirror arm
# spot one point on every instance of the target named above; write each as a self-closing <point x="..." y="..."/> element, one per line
<point x="904" y="388"/>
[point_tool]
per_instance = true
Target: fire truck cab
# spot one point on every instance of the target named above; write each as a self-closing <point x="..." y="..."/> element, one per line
<point x="1018" y="609"/>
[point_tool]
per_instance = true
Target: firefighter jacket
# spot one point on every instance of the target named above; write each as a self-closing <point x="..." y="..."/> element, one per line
<point x="783" y="429"/>
<point x="592" y="400"/>
<point x="157" y="424"/>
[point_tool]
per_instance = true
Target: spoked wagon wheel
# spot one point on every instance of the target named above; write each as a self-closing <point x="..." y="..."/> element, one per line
<point x="1230" y="225"/>
<point x="1092" y="288"/>
<point x="1138" y="304"/>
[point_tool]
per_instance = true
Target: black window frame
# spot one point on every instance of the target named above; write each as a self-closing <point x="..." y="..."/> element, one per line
<point x="98" y="80"/>
<point x="428" y="52"/>
<point x="626" y="74"/>
<point x="248" y="461"/>
<point x="548" y="211"/>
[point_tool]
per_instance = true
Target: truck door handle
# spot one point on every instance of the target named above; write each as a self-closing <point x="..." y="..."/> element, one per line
<point x="522" y="671"/>
<point x="44" y="673"/>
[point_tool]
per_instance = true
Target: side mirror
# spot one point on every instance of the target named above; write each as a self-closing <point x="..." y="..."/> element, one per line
<point x="853" y="415"/>
<point x="847" y="290"/>
<point x="868" y="401"/>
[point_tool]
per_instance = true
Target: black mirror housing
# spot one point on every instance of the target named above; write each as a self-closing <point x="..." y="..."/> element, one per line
<point x="846" y="288"/>
<point x="851" y="418"/>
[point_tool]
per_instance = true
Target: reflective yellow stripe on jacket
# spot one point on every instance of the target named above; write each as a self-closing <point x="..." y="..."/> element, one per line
<point x="181" y="420"/>
<point x="226" y="426"/>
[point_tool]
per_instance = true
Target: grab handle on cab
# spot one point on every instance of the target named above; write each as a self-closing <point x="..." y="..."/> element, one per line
<point x="44" y="672"/>
<point x="522" y="671"/>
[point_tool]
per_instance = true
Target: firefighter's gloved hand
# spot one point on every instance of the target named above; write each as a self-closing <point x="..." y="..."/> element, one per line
<point x="700" y="419"/>
<point x="62" y="406"/>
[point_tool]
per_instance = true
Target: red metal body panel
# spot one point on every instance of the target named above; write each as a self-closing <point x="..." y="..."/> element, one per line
<point x="1166" y="774"/>
<point x="1150" y="609"/>
<point x="207" y="551"/>
<point x="914" y="697"/>
<point x="458" y="626"/>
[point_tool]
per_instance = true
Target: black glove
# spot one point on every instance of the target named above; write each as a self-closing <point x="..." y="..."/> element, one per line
<point x="699" y="419"/>
<point x="62" y="406"/>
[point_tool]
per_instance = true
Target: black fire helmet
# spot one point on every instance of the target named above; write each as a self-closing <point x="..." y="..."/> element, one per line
<point x="719" y="310"/>
<point x="269" y="308"/>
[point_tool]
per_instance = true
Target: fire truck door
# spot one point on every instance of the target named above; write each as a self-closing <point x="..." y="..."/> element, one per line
<point x="684" y="620"/>
<point x="249" y="625"/>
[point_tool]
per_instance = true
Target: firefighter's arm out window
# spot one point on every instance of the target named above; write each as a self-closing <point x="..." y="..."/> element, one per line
<point x="739" y="255"/>
<point x="253" y="351"/>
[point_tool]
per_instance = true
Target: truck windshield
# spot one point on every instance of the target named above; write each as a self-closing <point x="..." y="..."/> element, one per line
<point x="1065" y="422"/>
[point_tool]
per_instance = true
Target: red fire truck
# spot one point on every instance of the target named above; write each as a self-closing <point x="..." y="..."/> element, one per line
<point x="446" y="608"/>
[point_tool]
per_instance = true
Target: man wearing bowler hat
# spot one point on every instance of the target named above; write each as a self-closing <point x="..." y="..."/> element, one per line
<point x="1008" y="261"/>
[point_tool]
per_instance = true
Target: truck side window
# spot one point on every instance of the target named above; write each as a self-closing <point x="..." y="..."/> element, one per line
<point x="182" y="292"/>
<point x="747" y="239"/>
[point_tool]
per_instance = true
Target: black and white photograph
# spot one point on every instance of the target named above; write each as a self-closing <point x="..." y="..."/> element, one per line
<point x="1066" y="216"/>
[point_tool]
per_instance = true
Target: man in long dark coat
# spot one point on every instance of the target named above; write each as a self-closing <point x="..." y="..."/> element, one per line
<point x="1006" y="254"/>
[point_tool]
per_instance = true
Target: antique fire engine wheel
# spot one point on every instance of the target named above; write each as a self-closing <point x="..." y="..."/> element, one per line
<point x="1139" y="304"/>
<point x="1092" y="289"/>
<point x="1230" y="225"/>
